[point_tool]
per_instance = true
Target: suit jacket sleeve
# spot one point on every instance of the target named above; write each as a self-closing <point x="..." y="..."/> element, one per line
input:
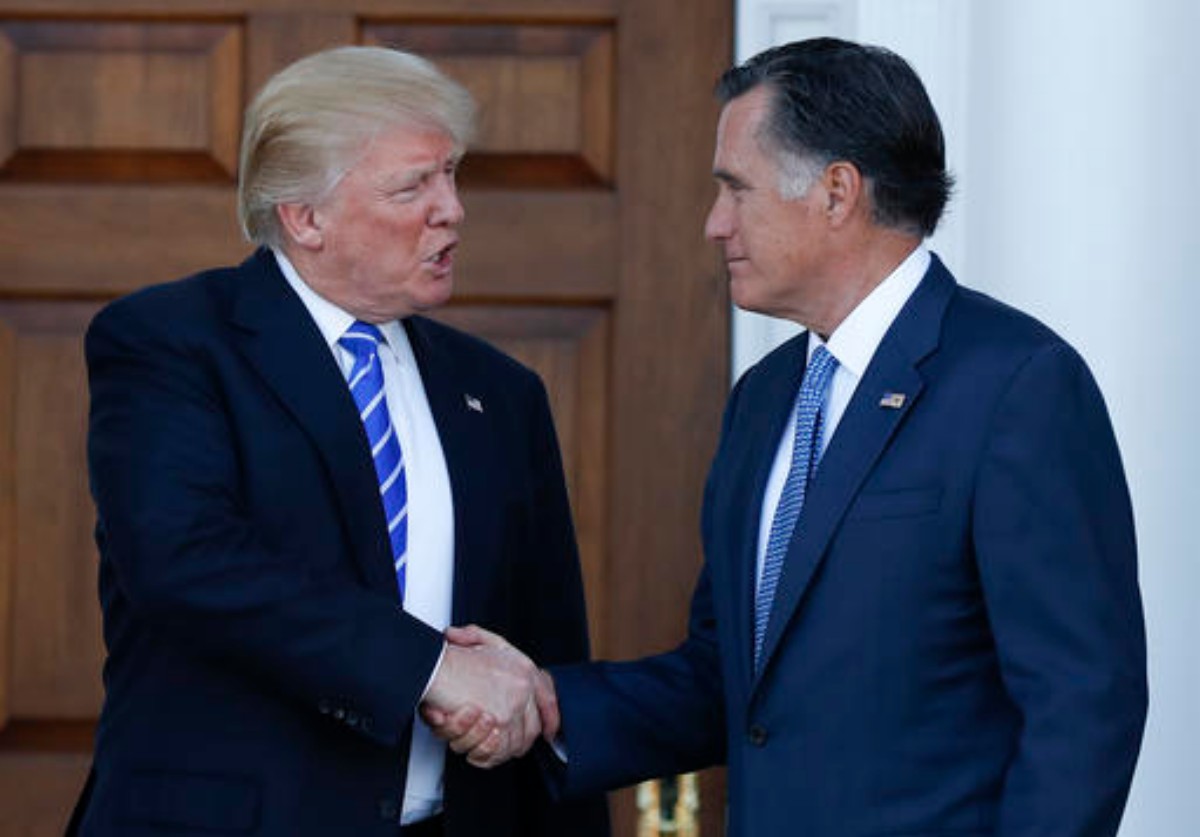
<point x="659" y="716"/>
<point x="162" y="452"/>
<point x="1056" y="551"/>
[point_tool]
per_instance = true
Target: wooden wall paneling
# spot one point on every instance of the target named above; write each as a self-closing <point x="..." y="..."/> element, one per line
<point x="42" y="782"/>
<point x="8" y="498"/>
<point x="569" y="347"/>
<point x="107" y="240"/>
<point x="545" y="93"/>
<point x="8" y="98"/>
<point x="672" y="302"/>
<point x="592" y="475"/>
<point x="226" y="71"/>
<point x="582" y="254"/>
<point x="543" y="245"/>
<point x="57" y="646"/>
<point x="551" y="10"/>
<point x="277" y="38"/>
<point x="599" y="105"/>
<point x="103" y="240"/>
<point x="669" y="383"/>
<point x="122" y="101"/>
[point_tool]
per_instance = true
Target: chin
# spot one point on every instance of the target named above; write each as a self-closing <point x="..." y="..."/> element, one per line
<point x="744" y="300"/>
<point x="435" y="299"/>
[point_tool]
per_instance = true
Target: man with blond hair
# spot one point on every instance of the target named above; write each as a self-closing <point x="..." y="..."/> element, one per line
<point x="300" y="481"/>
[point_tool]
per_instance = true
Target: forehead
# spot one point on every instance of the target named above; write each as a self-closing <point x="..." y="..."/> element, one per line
<point x="404" y="147"/>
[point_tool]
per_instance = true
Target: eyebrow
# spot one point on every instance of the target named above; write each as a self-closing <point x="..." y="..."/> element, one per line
<point x="728" y="178"/>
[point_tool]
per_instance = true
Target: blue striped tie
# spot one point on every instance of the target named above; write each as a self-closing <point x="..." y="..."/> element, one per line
<point x="806" y="450"/>
<point x="366" y="386"/>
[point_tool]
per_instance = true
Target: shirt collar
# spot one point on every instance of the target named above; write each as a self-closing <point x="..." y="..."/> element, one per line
<point x="330" y="319"/>
<point x="854" y="342"/>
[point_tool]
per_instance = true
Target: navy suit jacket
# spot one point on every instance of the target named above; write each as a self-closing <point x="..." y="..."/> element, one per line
<point x="956" y="646"/>
<point x="261" y="676"/>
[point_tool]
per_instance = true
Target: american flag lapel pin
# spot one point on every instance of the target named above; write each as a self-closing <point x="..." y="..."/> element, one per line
<point x="892" y="400"/>
<point x="473" y="403"/>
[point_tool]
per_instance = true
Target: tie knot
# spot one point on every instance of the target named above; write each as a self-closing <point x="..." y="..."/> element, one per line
<point x="820" y="366"/>
<point x="361" y="339"/>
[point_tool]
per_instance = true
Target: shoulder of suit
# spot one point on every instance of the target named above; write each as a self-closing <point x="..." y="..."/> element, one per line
<point x="977" y="319"/>
<point x="176" y="305"/>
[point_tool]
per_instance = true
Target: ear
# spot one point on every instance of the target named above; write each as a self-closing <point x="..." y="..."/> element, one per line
<point x="844" y="192"/>
<point x="301" y="224"/>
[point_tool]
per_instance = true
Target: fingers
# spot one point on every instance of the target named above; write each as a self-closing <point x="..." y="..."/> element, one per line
<point x="487" y="699"/>
<point x="473" y="635"/>
<point x="456" y="724"/>
<point x="501" y="745"/>
<point x="484" y="736"/>
<point x="546" y="697"/>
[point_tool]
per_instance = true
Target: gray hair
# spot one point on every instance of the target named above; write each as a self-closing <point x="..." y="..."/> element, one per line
<point x="797" y="173"/>
<point x="306" y="127"/>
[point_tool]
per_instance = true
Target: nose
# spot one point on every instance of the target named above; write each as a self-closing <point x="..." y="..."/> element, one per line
<point x="447" y="210"/>
<point x="719" y="224"/>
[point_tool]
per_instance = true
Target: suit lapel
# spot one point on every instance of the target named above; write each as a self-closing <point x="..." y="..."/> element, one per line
<point x="467" y="437"/>
<point x="861" y="437"/>
<point x="280" y="340"/>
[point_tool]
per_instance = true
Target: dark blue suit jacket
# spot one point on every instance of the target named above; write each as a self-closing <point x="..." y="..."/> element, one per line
<point x="261" y="677"/>
<point x="956" y="646"/>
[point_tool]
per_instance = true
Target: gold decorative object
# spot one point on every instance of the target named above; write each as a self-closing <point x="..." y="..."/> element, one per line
<point x="669" y="806"/>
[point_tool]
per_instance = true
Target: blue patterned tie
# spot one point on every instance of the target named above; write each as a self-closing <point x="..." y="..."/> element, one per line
<point x="366" y="386"/>
<point x="806" y="450"/>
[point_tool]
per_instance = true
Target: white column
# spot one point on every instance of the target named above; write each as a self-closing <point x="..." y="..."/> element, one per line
<point x="1083" y="207"/>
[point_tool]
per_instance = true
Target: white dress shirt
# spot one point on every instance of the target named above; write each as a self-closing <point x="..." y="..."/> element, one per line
<point x="853" y="344"/>
<point x="429" y="577"/>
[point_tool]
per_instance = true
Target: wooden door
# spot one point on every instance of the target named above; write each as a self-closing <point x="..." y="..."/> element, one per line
<point x="583" y="256"/>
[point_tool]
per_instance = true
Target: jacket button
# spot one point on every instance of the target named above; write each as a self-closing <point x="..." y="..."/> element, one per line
<point x="757" y="735"/>
<point x="389" y="810"/>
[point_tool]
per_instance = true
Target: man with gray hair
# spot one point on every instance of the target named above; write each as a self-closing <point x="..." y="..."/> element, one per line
<point x="300" y="481"/>
<point x="919" y="611"/>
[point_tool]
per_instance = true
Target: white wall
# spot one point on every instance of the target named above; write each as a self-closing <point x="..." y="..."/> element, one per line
<point x="1074" y="129"/>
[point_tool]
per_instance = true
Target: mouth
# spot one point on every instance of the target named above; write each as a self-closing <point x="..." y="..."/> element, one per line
<point x="442" y="260"/>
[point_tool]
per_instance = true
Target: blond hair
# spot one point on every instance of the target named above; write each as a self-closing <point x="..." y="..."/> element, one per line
<point x="305" y="128"/>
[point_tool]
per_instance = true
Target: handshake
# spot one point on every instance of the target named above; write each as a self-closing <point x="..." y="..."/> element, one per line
<point x="489" y="701"/>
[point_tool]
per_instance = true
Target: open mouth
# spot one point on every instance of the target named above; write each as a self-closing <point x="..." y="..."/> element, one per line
<point x="443" y="258"/>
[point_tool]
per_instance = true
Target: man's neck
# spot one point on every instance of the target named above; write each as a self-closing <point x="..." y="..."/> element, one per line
<point x="871" y="260"/>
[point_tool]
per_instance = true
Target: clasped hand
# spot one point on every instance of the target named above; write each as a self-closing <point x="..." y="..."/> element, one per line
<point x="488" y="700"/>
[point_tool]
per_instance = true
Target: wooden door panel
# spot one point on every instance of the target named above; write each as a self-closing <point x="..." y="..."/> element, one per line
<point x="546" y="95"/>
<point x="64" y="241"/>
<point x="36" y="788"/>
<point x="582" y="256"/>
<point x="570" y="349"/>
<point x="57" y="648"/>
<point x="136" y="101"/>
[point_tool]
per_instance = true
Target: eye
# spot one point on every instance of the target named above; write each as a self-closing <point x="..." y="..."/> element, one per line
<point x="407" y="190"/>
